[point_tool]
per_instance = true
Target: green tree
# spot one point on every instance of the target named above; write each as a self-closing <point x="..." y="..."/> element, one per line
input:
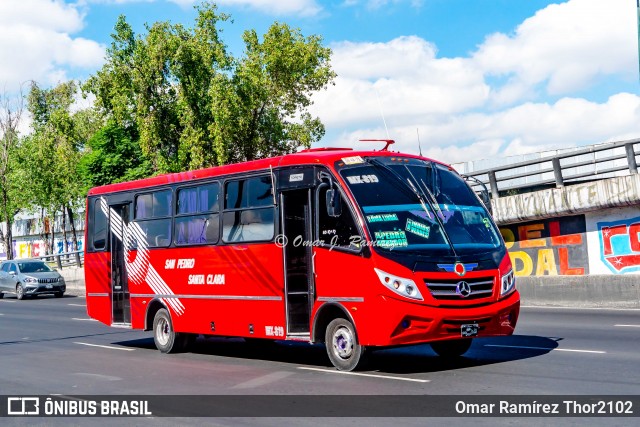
<point x="262" y="110"/>
<point x="11" y="174"/>
<point x="51" y="154"/>
<point x="193" y="105"/>
<point x="113" y="155"/>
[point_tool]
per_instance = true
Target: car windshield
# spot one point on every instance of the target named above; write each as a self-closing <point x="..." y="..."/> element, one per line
<point x="415" y="205"/>
<point x="33" y="267"/>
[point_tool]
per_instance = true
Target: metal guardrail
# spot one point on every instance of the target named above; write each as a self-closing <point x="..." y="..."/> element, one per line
<point x="498" y="178"/>
<point x="66" y="259"/>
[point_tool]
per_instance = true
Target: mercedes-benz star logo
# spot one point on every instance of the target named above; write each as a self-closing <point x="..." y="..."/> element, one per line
<point x="463" y="289"/>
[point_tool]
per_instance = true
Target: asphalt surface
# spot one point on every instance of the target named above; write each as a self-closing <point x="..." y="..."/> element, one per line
<point x="50" y="346"/>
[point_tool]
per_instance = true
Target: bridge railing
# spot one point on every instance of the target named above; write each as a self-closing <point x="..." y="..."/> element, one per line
<point x="66" y="259"/>
<point x="560" y="169"/>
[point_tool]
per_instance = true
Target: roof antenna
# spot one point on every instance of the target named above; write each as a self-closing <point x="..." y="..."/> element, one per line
<point x="419" y="146"/>
<point x="382" y="114"/>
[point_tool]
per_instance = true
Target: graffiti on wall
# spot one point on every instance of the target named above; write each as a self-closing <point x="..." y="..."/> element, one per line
<point x="34" y="248"/>
<point x="620" y="245"/>
<point x="549" y="247"/>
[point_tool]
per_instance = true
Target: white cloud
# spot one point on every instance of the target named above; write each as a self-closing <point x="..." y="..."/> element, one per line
<point x="527" y="128"/>
<point x="52" y="15"/>
<point x="489" y="104"/>
<point x="36" y="43"/>
<point x="565" y="47"/>
<point x="403" y="78"/>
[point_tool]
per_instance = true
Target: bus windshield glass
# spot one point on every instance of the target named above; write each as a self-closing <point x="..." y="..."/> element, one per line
<point x="418" y="206"/>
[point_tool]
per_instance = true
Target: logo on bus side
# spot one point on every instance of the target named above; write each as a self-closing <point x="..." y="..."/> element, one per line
<point x="139" y="269"/>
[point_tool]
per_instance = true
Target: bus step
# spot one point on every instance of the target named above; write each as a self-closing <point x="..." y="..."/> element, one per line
<point x="298" y="337"/>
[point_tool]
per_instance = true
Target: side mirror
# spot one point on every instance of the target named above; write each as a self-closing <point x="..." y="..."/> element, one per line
<point x="334" y="203"/>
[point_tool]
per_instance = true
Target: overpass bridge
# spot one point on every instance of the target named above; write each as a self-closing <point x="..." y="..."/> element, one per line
<point x="571" y="221"/>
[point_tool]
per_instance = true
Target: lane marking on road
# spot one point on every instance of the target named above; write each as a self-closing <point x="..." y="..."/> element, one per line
<point x="546" y="348"/>
<point x="628" y="326"/>
<point x="264" y="380"/>
<point x="86" y="320"/>
<point x="7" y="300"/>
<point x="1" y="314"/>
<point x="553" y="307"/>
<point x="105" y="346"/>
<point x="98" y="376"/>
<point x="359" y="374"/>
<point x="78" y="305"/>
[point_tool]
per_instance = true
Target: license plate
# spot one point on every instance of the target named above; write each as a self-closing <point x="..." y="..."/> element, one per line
<point x="49" y="286"/>
<point x="469" y="330"/>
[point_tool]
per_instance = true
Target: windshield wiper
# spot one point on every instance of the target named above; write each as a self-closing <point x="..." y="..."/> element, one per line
<point x="423" y="201"/>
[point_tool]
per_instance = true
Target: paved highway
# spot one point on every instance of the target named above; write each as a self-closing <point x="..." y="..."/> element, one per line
<point x="50" y="346"/>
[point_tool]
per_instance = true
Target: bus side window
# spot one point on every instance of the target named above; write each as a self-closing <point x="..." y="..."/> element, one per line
<point x="336" y="231"/>
<point x="197" y="221"/>
<point x="99" y="227"/>
<point x="154" y="205"/>
<point x="247" y="217"/>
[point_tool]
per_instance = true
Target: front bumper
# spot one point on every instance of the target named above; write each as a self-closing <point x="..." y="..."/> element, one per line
<point x="44" y="288"/>
<point x="420" y="324"/>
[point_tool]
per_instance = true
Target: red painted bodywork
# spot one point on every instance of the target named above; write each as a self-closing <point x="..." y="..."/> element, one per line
<point x="381" y="317"/>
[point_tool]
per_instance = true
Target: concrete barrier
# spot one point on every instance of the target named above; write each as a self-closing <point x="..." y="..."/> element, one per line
<point x="608" y="291"/>
<point x="74" y="278"/>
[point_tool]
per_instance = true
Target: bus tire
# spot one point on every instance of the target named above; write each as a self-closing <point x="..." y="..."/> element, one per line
<point x="451" y="348"/>
<point x="166" y="339"/>
<point x="342" y="346"/>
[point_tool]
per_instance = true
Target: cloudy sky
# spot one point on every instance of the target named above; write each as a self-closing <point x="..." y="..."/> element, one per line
<point x="474" y="79"/>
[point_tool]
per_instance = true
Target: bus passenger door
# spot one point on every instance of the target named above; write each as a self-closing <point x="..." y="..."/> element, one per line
<point x="120" y="304"/>
<point x="299" y="285"/>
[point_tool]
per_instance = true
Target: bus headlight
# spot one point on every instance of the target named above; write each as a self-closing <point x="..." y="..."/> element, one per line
<point x="508" y="284"/>
<point x="405" y="287"/>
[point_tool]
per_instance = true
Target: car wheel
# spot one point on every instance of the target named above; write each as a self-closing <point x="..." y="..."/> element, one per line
<point x="342" y="346"/>
<point x="59" y="294"/>
<point x="1" y="295"/>
<point x="19" y="291"/>
<point x="166" y="339"/>
<point x="451" y="348"/>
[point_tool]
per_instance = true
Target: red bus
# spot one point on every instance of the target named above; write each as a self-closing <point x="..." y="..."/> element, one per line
<point x="356" y="249"/>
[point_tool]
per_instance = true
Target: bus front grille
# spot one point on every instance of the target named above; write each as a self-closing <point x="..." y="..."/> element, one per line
<point x="468" y="289"/>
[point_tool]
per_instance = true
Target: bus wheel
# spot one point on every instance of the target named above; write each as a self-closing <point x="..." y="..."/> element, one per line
<point x="451" y="348"/>
<point x="165" y="338"/>
<point x="342" y="346"/>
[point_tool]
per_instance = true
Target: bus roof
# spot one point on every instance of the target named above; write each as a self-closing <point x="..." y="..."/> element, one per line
<point x="325" y="155"/>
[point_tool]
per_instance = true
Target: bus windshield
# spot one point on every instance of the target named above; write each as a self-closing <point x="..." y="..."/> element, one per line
<point x="419" y="206"/>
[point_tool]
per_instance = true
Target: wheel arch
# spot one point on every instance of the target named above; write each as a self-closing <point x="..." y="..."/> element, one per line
<point x="325" y="314"/>
<point x="152" y="308"/>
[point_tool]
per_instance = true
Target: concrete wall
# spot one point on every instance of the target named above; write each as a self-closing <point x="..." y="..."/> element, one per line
<point x="585" y="260"/>
<point x="605" y="242"/>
